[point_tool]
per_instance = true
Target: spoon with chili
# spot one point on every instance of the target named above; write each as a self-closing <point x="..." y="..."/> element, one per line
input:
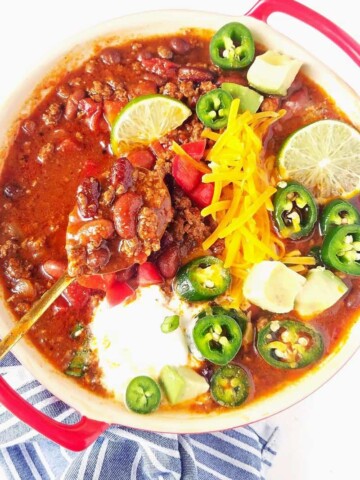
<point x="118" y="221"/>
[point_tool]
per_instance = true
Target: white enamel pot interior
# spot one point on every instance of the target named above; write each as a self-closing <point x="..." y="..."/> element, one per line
<point x="72" y="54"/>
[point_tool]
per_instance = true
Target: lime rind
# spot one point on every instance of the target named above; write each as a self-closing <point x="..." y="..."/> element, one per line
<point x="324" y="156"/>
<point x="145" y="119"/>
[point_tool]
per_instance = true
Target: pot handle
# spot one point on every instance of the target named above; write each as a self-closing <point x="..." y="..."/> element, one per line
<point x="75" y="437"/>
<point x="264" y="8"/>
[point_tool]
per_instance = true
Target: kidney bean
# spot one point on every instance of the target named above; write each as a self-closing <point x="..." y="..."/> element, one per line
<point x="97" y="259"/>
<point x="179" y="46"/>
<point x="127" y="274"/>
<point x="110" y="56"/>
<point x="195" y="74"/>
<point x="94" y="232"/>
<point x="142" y="158"/>
<point x="152" y="77"/>
<point x="143" y="55"/>
<point x="125" y="213"/>
<point x="92" y="112"/>
<point x="169" y="262"/>
<point x="353" y="299"/>
<point x="296" y="102"/>
<point x="121" y="173"/>
<point x="54" y="268"/>
<point x="162" y="67"/>
<point x="72" y="103"/>
<point x="13" y="191"/>
<point x="87" y="197"/>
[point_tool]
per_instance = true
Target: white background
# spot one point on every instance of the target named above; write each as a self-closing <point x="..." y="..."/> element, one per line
<point x="319" y="436"/>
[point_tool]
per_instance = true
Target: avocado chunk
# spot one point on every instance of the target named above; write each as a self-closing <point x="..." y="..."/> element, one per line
<point x="320" y="292"/>
<point x="272" y="286"/>
<point x="273" y="72"/>
<point x="249" y="99"/>
<point x="172" y="382"/>
<point x="181" y="383"/>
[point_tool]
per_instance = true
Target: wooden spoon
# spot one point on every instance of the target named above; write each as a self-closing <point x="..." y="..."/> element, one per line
<point x="155" y="197"/>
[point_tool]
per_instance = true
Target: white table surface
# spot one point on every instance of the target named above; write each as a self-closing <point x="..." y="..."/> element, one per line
<point x="320" y="434"/>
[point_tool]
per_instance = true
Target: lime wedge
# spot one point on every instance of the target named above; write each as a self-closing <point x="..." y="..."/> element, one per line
<point x="146" y="119"/>
<point x="324" y="157"/>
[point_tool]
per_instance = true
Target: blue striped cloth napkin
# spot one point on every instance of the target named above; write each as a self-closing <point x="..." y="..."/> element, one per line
<point x="122" y="453"/>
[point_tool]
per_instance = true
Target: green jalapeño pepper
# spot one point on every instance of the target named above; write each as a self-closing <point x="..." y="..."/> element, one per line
<point x="202" y="279"/>
<point x="295" y="210"/>
<point x="218" y="338"/>
<point x="229" y="386"/>
<point x="212" y="108"/>
<point x="143" y="395"/>
<point x="341" y="249"/>
<point x="289" y="344"/>
<point x="215" y="309"/>
<point x="232" y="47"/>
<point x="338" y="212"/>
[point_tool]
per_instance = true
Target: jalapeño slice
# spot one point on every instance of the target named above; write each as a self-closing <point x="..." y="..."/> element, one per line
<point x="232" y="47"/>
<point x="295" y="210"/>
<point x="338" y="212"/>
<point x="289" y="344"/>
<point x="341" y="249"/>
<point x="213" y="107"/>
<point x="229" y="386"/>
<point x="143" y="395"/>
<point x="218" y="338"/>
<point x="202" y="279"/>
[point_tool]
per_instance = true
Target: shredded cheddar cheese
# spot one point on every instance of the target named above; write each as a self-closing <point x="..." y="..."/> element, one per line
<point x="242" y="194"/>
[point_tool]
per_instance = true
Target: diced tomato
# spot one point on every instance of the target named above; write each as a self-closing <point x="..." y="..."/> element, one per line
<point x="92" y="113"/>
<point x="97" y="282"/>
<point x="117" y="293"/>
<point x="195" y="149"/>
<point x="60" y="305"/>
<point x="76" y="295"/>
<point x="148" y="274"/>
<point x="202" y="194"/>
<point x="112" y="109"/>
<point x="185" y="175"/>
<point x="160" y="66"/>
<point x="142" y="158"/>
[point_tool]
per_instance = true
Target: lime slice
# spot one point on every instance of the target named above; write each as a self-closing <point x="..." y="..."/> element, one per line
<point x="146" y="119"/>
<point x="324" y="157"/>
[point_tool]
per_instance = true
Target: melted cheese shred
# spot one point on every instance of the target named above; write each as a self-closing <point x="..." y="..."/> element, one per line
<point x="242" y="194"/>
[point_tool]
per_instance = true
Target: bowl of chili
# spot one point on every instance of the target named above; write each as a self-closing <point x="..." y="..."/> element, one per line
<point x="218" y="333"/>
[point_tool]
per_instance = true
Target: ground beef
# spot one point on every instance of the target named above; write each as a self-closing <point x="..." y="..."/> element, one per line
<point x="172" y="90"/>
<point x="35" y="246"/>
<point x="188" y="227"/>
<point x="16" y="268"/>
<point x="9" y="247"/>
<point x="100" y="91"/>
<point x="45" y="152"/>
<point x="53" y="114"/>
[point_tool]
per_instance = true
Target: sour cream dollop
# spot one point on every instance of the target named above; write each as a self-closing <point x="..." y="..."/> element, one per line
<point x="128" y="338"/>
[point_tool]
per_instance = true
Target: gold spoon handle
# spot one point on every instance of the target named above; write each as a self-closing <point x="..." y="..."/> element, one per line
<point x="35" y="312"/>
